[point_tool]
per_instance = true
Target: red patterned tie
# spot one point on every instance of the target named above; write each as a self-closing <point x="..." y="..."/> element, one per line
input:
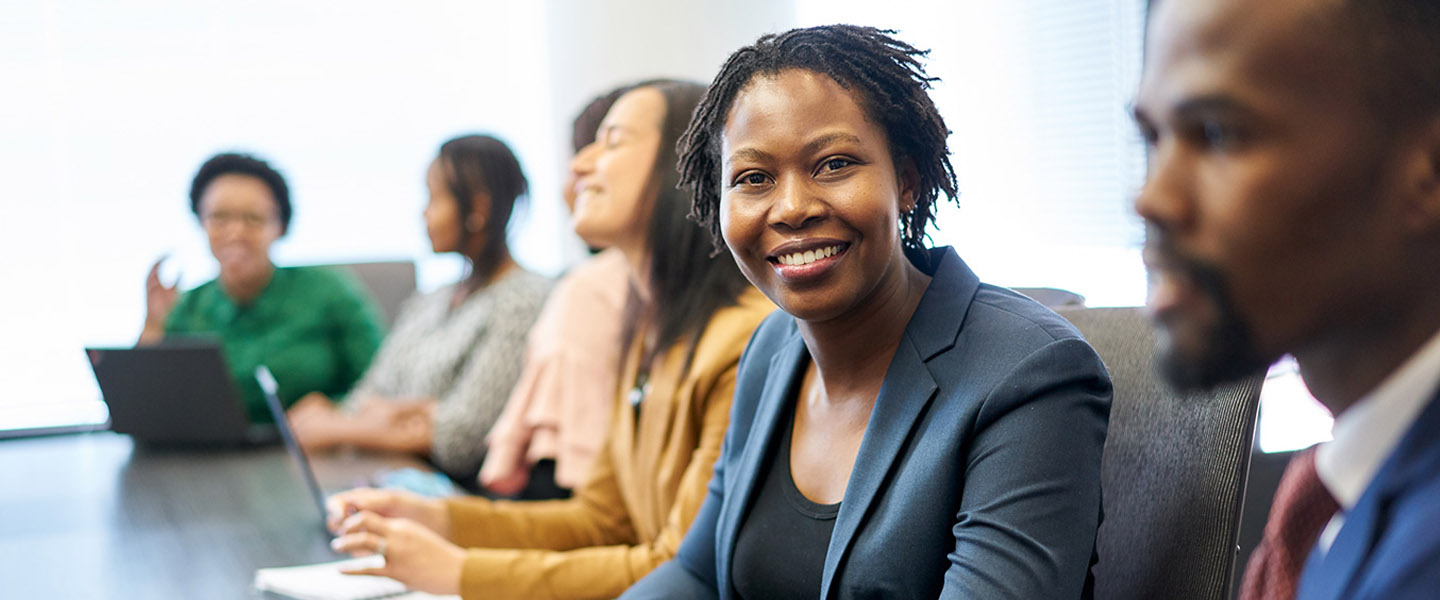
<point x="1299" y="513"/>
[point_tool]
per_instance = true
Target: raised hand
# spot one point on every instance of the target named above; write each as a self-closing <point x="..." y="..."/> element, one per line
<point x="159" y="301"/>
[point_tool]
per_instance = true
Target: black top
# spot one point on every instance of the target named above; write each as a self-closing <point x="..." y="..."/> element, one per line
<point x="780" y="549"/>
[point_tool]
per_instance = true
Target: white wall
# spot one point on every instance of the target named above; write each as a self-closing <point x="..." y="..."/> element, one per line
<point x="594" y="47"/>
<point x="107" y="109"/>
<point x="1035" y="95"/>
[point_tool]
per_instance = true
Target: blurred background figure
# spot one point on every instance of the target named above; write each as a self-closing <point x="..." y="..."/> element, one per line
<point x="559" y="413"/>
<point x="442" y="376"/>
<point x="687" y="318"/>
<point x="312" y="327"/>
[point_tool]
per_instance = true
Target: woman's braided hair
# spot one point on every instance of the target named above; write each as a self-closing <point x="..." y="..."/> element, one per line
<point x="889" y="84"/>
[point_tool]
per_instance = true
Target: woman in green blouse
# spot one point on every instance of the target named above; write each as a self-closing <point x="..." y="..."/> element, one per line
<point x="312" y="327"/>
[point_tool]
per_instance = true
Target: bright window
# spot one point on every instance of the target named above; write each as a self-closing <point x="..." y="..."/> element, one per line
<point x="1048" y="160"/>
<point x="1036" y="94"/>
<point x="108" y="109"/>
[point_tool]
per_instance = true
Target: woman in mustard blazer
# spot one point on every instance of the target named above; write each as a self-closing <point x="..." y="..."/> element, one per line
<point x="689" y="318"/>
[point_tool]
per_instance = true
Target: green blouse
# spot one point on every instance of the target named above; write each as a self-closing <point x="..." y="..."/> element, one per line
<point x="313" y="327"/>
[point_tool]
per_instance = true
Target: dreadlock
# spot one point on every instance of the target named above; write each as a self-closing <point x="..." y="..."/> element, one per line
<point x="889" y="83"/>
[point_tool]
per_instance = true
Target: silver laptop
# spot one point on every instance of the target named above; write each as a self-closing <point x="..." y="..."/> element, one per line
<point x="297" y="454"/>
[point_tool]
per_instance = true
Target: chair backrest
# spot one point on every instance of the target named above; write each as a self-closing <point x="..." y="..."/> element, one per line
<point x="1055" y="298"/>
<point x="390" y="283"/>
<point x="1173" y="473"/>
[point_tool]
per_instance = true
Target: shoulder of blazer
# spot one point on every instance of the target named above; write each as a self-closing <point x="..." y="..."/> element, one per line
<point x="1009" y="309"/>
<point x="958" y="310"/>
<point x="723" y="339"/>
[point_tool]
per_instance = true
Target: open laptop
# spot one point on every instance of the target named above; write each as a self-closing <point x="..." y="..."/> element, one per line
<point x="178" y="392"/>
<point x="323" y="580"/>
<point x="425" y="483"/>
<point x="297" y="454"/>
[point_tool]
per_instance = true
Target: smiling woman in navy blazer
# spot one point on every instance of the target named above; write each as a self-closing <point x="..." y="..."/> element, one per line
<point x="899" y="429"/>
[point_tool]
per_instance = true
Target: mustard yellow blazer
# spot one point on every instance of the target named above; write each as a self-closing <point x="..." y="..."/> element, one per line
<point x="643" y="490"/>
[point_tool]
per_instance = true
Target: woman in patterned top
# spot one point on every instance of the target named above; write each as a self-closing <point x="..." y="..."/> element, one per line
<point x="442" y="376"/>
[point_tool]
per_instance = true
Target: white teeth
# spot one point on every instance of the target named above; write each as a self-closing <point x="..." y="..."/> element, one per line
<point x="808" y="256"/>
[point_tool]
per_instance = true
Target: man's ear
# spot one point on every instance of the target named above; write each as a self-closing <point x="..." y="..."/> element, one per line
<point x="1423" y="180"/>
<point x="909" y="179"/>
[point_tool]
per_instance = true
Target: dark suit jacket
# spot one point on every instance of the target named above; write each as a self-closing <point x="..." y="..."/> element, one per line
<point x="979" y="472"/>
<point x="1389" y="546"/>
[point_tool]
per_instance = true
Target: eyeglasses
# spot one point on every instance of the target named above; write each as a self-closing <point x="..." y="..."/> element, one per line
<point x="222" y="219"/>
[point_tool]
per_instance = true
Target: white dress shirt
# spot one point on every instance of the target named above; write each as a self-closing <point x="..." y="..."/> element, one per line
<point x="1367" y="433"/>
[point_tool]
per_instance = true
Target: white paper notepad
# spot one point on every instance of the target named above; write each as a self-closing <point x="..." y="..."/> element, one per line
<point x="325" y="582"/>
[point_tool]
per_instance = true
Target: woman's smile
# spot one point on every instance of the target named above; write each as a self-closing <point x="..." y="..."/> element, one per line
<point x="814" y="198"/>
<point x="805" y="261"/>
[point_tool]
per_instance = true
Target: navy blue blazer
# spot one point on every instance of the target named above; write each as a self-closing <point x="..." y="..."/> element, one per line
<point x="979" y="472"/>
<point x="1389" y="547"/>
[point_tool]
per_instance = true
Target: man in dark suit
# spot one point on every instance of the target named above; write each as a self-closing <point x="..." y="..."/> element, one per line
<point x="1293" y="207"/>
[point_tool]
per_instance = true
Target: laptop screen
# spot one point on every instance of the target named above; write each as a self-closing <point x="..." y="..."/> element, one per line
<point x="272" y="399"/>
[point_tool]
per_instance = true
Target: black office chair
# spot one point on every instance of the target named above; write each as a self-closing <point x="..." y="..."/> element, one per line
<point x="1173" y="473"/>
<point x="1054" y="298"/>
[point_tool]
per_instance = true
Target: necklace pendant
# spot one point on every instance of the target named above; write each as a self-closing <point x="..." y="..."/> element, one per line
<point x="642" y="388"/>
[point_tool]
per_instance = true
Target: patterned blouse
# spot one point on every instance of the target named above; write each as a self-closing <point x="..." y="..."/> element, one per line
<point x="466" y="358"/>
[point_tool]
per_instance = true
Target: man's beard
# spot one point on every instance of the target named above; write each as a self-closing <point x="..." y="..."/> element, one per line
<point x="1226" y="350"/>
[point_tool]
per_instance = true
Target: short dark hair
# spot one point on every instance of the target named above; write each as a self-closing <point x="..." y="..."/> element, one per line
<point x="234" y="163"/>
<point x="889" y="84"/>
<point x="688" y="280"/>
<point x="1398" y="42"/>
<point x="482" y="164"/>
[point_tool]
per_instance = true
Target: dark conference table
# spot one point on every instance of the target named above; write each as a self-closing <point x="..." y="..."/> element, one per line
<point x="94" y="516"/>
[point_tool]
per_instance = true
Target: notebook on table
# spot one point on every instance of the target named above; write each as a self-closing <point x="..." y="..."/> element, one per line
<point x="325" y="582"/>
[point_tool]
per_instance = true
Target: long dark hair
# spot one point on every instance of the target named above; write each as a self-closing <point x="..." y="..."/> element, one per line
<point x="475" y="165"/>
<point x="688" y="280"/>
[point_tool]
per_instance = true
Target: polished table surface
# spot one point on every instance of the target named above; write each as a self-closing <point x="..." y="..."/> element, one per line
<point x="95" y="516"/>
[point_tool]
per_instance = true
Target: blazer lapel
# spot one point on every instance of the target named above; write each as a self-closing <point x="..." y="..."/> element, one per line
<point x="1329" y="576"/>
<point x="908" y="388"/>
<point x="1336" y="574"/>
<point x="786" y="371"/>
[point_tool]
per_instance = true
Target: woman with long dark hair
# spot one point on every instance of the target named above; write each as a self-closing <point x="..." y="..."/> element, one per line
<point x="558" y="416"/>
<point x="689" y="315"/>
